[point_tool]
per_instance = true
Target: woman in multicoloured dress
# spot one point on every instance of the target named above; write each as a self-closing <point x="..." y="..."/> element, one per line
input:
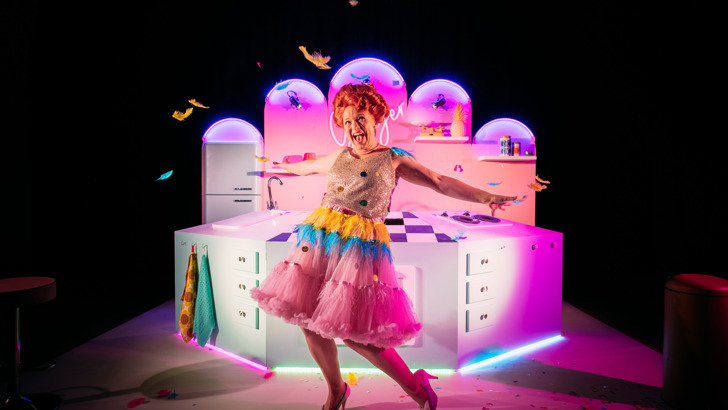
<point x="339" y="280"/>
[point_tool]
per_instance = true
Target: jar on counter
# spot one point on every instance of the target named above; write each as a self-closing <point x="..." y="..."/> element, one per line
<point x="505" y="145"/>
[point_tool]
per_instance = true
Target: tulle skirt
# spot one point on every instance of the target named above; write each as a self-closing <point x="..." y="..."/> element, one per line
<point x="339" y="281"/>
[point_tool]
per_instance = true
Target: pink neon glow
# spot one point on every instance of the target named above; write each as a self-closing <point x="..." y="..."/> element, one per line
<point x="232" y="130"/>
<point x="242" y="360"/>
<point x="383" y="75"/>
<point x="428" y="92"/>
<point x="307" y="93"/>
<point x="503" y="126"/>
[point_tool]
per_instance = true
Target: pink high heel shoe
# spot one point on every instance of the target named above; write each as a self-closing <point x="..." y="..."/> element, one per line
<point x="423" y="377"/>
<point x="342" y="401"/>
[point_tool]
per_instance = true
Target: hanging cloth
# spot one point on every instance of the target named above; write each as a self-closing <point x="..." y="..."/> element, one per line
<point x="205" y="321"/>
<point x="189" y="296"/>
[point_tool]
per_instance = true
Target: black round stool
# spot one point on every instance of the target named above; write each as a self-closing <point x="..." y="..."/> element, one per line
<point x="14" y="294"/>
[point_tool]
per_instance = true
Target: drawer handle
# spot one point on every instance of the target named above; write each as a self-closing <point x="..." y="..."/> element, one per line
<point x="483" y="316"/>
<point x="483" y="289"/>
<point x="241" y="259"/>
<point x="483" y="261"/>
<point x="241" y="286"/>
<point x="241" y="313"/>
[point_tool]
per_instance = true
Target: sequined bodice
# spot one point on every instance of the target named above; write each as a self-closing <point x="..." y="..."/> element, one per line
<point x="361" y="185"/>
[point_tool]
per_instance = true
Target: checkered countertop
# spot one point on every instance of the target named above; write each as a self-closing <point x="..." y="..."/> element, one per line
<point x="402" y="226"/>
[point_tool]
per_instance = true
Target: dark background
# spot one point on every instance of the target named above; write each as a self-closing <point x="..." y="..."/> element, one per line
<point x="625" y="102"/>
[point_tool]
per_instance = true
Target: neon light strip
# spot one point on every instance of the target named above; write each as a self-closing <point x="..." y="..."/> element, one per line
<point x="243" y="360"/>
<point x="516" y="352"/>
<point x="365" y="370"/>
<point x="475" y="366"/>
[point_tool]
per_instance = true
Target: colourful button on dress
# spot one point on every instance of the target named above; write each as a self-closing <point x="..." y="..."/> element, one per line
<point x="344" y="284"/>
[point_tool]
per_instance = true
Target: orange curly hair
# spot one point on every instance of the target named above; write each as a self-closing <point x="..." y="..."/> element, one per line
<point x="363" y="97"/>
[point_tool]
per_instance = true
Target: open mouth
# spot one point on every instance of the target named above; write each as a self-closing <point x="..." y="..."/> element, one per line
<point x="359" y="138"/>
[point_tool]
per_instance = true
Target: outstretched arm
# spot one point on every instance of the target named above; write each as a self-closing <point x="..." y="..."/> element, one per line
<point x="412" y="171"/>
<point x="312" y="166"/>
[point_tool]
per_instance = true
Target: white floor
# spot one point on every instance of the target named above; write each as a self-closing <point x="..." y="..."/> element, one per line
<point x="593" y="367"/>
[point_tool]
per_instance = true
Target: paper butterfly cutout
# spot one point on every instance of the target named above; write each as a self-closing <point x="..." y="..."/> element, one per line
<point x="179" y="115"/>
<point x="196" y="104"/>
<point x="316" y="58"/>
<point x="165" y="175"/>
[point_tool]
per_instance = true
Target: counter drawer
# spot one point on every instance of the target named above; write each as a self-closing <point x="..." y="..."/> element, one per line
<point x="242" y="286"/>
<point x="480" y="316"/>
<point x="482" y="262"/>
<point x="245" y="260"/>
<point x="481" y="289"/>
<point x="245" y="314"/>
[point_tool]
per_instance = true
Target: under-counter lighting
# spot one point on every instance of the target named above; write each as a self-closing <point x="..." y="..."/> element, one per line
<point x="512" y="353"/>
<point x="360" y="370"/>
<point x="445" y="372"/>
<point x="250" y="363"/>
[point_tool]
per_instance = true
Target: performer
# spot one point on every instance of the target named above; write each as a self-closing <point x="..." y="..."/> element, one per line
<point x="339" y="280"/>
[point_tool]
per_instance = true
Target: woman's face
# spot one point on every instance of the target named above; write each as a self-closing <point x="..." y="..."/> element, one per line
<point x="359" y="127"/>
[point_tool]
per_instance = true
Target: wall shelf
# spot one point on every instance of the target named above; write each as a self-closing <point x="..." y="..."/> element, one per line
<point x="515" y="158"/>
<point x="441" y="139"/>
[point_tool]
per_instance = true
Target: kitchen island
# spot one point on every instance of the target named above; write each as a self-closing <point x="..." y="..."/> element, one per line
<point x="481" y="286"/>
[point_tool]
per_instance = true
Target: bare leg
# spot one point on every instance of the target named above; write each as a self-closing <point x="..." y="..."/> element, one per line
<point x="326" y="355"/>
<point x="389" y="361"/>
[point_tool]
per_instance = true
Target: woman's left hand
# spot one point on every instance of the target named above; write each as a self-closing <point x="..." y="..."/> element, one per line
<point x="499" y="202"/>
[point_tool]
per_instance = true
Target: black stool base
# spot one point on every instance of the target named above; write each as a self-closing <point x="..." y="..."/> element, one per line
<point x="31" y="402"/>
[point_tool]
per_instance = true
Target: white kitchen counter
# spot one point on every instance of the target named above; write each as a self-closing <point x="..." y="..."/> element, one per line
<point x="491" y="290"/>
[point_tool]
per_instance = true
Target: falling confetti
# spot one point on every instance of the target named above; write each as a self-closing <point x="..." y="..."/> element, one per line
<point x="458" y="168"/>
<point x="258" y="63"/>
<point x="316" y="58"/>
<point x="179" y="115"/>
<point x="164" y="393"/>
<point x="518" y="201"/>
<point x="261" y="159"/>
<point x="537" y="187"/>
<point x="494" y="183"/>
<point x="172" y="395"/>
<point x="196" y="104"/>
<point x="136" y="402"/>
<point x="352" y="379"/>
<point x="165" y="175"/>
<point x="541" y="180"/>
<point x="459" y="236"/>
<point x="353" y="2"/>
<point x="364" y="77"/>
<point x="268" y="375"/>
<point x="281" y="86"/>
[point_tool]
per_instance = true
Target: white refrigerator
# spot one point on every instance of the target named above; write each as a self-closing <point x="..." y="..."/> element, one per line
<point x="232" y="178"/>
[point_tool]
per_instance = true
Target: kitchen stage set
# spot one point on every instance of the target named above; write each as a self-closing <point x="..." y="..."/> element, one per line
<point x="481" y="286"/>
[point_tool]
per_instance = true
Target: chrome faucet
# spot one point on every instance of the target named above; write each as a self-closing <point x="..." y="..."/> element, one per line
<point x="271" y="204"/>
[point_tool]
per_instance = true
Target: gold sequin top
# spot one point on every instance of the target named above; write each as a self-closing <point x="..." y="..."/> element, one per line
<point x="363" y="186"/>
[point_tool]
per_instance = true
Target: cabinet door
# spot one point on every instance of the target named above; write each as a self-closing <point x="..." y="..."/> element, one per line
<point x="242" y="286"/>
<point x="219" y="207"/>
<point x="482" y="289"/>
<point x="482" y="262"/>
<point x="232" y="169"/>
<point x="244" y="260"/>
<point x="481" y="315"/>
<point x="245" y="314"/>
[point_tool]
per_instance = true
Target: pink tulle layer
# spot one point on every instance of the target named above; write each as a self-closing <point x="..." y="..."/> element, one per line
<point x="343" y="294"/>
